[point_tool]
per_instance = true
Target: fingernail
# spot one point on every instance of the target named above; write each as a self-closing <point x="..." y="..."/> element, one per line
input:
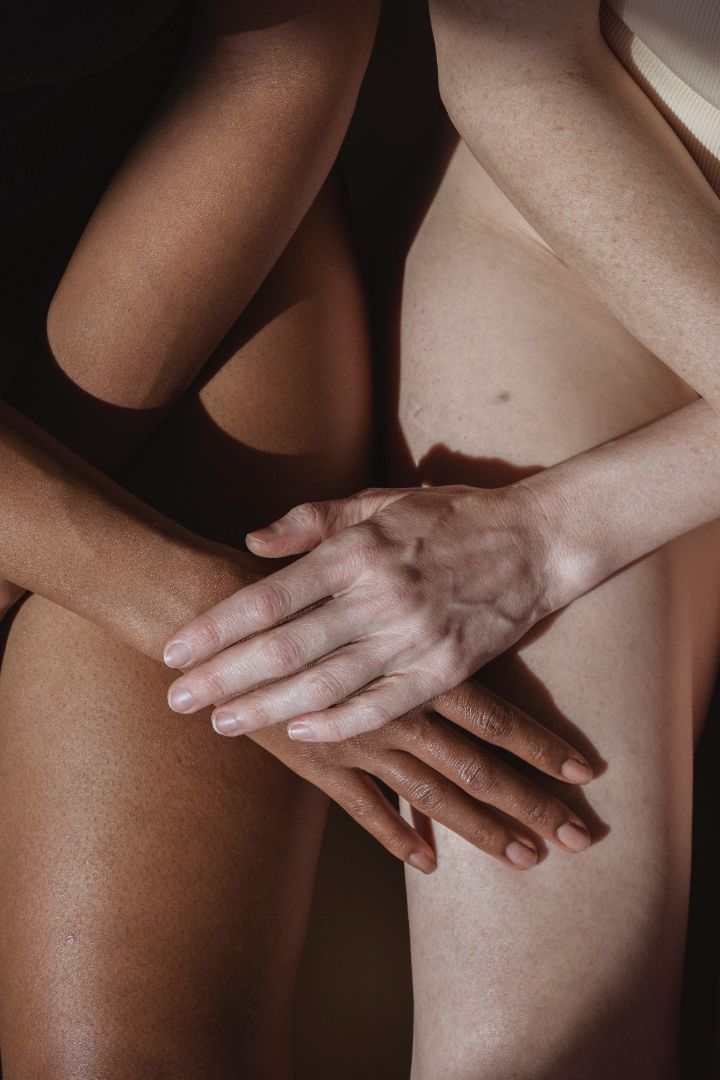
<point x="180" y="700"/>
<point x="270" y="532"/>
<point x="521" y="855"/>
<point x="421" y="861"/>
<point x="300" y="730"/>
<point x="576" y="771"/>
<point x="574" y="837"/>
<point x="223" y="723"/>
<point x="177" y="654"/>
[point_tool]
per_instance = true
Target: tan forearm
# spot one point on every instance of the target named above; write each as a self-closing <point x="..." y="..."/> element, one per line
<point x="72" y="535"/>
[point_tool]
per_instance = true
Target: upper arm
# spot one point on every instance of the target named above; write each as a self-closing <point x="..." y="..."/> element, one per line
<point x="270" y="37"/>
<point x="558" y="23"/>
<point x="510" y="41"/>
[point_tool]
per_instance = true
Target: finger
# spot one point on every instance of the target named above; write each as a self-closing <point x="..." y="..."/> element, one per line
<point x="437" y="798"/>
<point x="307" y="525"/>
<point x="362" y="799"/>
<point x="273" y="655"/>
<point x="257" y="607"/>
<point x="475" y="708"/>
<point x="493" y="782"/>
<point x="318" y="687"/>
<point x="384" y="700"/>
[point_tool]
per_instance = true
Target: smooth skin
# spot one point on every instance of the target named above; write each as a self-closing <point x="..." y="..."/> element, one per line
<point x="142" y="876"/>
<point x="662" y="873"/>
<point x="518" y="320"/>
<point x="139" y="885"/>
<point x="591" y="135"/>
<point x="125" y="337"/>
<point x="631" y="664"/>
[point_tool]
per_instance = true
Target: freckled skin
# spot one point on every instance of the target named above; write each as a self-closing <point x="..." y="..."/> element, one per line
<point x="574" y="970"/>
<point x="605" y="942"/>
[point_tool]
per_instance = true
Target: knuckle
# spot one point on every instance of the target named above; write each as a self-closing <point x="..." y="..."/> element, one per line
<point x="284" y="651"/>
<point x="255" y="710"/>
<point x="213" y="684"/>
<point x="417" y="726"/>
<point x="366" y="543"/>
<point x="310" y="515"/>
<point x="358" y="806"/>
<point x="210" y="635"/>
<point x="445" y="664"/>
<point x="474" y="774"/>
<point x="271" y="602"/>
<point x="535" y="751"/>
<point x="493" y="721"/>
<point x="375" y="716"/>
<point x="538" y="813"/>
<point x="482" y="835"/>
<point x="325" y="688"/>
<point x="428" y="795"/>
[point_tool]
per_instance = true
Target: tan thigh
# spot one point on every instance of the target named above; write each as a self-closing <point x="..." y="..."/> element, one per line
<point x="157" y="879"/>
<point x="507" y="363"/>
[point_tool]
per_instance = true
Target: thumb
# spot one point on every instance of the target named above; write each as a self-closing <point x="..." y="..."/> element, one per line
<point x="307" y="525"/>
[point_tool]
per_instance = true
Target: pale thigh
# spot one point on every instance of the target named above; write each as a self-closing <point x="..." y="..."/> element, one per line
<point x="571" y="971"/>
<point x="156" y="879"/>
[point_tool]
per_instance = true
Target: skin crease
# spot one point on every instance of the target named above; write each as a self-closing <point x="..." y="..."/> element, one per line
<point x="688" y="629"/>
<point x="588" y="128"/>
<point x="102" y="935"/>
<point x="210" y="133"/>
<point x="104" y="961"/>
<point x="102" y="387"/>
<point x="632" y="664"/>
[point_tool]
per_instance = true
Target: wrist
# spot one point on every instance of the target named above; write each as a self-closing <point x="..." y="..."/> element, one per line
<point x="191" y="574"/>
<point x="567" y="561"/>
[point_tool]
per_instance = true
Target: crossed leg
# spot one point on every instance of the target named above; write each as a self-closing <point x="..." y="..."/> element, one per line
<point x="156" y="879"/>
<point x="572" y="971"/>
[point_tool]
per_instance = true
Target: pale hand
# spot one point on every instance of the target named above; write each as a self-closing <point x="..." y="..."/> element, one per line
<point x="416" y="589"/>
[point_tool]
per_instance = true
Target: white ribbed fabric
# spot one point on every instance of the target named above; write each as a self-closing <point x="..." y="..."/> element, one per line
<point x="672" y="49"/>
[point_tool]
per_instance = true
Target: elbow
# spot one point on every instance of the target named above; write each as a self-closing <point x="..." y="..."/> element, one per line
<point x="453" y="49"/>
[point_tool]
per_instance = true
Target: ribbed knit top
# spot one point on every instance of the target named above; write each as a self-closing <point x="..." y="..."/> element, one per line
<point x="672" y="50"/>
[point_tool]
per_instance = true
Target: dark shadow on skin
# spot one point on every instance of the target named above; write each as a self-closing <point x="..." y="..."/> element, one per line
<point x="94" y="428"/>
<point x="355" y="995"/>
<point x="358" y="935"/>
<point x="508" y="675"/>
<point x="62" y="143"/>
<point x="699" y="1048"/>
<point x="701" y="989"/>
<point x="244" y="18"/>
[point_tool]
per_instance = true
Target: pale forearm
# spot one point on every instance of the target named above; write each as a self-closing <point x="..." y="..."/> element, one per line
<point x="596" y="513"/>
<point x="72" y="535"/>
<point x="578" y="147"/>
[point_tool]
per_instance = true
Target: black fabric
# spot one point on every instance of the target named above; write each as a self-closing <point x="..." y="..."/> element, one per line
<point x="61" y="145"/>
<point x="46" y="41"/>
